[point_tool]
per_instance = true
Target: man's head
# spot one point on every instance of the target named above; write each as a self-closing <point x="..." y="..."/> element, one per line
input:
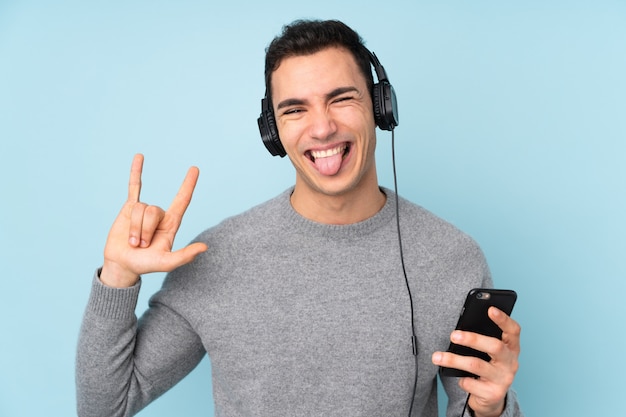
<point x="321" y="109"/>
<point x="305" y="37"/>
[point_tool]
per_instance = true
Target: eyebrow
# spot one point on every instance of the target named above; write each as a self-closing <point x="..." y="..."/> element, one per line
<point x="334" y="93"/>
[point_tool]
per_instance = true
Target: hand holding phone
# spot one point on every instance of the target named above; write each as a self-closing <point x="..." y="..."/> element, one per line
<point x="474" y="318"/>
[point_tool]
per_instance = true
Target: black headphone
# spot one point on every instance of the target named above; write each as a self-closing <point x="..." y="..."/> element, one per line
<point x="383" y="98"/>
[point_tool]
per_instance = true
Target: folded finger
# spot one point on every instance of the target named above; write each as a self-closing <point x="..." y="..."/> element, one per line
<point x="470" y="364"/>
<point x="511" y="329"/>
<point x="487" y="344"/>
<point x="136" y="224"/>
<point x="152" y="217"/>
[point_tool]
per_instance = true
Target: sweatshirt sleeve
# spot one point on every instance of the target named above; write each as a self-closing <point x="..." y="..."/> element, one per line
<point x="457" y="397"/>
<point x="122" y="364"/>
<point x="512" y="408"/>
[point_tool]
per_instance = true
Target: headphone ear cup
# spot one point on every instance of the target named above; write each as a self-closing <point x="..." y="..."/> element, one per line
<point x="378" y="111"/>
<point x="385" y="106"/>
<point x="269" y="133"/>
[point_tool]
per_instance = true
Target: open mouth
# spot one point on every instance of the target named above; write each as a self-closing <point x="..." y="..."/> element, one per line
<point x="341" y="150"/>
<point x="328" y="161"/>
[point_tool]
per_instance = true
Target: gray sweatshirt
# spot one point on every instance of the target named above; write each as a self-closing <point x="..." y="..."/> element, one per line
<point x="298" y="318"/>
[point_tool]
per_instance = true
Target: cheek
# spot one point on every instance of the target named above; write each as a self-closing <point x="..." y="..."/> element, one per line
<point x="289" y="134"/>
<point x="361" y="120"/>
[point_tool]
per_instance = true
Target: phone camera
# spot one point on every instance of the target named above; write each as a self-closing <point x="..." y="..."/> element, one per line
<point x="483" y="295"/>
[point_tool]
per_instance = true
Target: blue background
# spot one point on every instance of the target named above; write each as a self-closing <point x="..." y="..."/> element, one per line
<point x="513" y="127"/>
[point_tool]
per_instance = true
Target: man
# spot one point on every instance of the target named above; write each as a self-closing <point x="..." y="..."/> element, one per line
<point x="300" y="302"/>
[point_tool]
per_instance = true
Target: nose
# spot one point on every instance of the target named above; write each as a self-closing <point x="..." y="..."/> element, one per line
<point x="322" y="124"/>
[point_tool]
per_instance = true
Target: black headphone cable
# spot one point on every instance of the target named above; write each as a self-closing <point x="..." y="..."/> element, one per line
<point x="406" y="279"/>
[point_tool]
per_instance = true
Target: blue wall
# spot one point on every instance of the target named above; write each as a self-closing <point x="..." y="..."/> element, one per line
<point x="513" y="127"/>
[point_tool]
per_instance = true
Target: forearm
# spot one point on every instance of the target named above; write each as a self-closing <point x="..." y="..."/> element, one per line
<point x="123" y="364"/>
<point x="105" y="378"/>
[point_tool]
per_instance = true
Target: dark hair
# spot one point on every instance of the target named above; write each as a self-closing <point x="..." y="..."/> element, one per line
<point x="306" y="37"/>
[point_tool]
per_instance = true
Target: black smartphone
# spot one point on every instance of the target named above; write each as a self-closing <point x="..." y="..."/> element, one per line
<point x="474" y="318"/>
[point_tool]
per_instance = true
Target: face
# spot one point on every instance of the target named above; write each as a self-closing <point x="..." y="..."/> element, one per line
<point x="326" y="124"/>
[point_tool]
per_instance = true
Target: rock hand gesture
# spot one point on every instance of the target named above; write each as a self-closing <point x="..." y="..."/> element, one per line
<point x="141" y="238"/>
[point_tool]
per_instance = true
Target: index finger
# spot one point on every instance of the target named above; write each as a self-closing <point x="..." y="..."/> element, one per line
<point x="508" y="326"/>
<point x="134" y="184"/>
<point x="183" y="197"/>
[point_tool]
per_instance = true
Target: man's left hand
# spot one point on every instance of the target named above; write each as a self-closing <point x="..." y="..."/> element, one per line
<point x="488" y="391"/>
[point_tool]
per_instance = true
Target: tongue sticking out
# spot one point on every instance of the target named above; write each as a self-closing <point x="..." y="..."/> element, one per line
<point x="329" y="165"/>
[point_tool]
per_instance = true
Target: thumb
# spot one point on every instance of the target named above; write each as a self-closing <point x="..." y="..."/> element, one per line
<point x="185" y="255"/>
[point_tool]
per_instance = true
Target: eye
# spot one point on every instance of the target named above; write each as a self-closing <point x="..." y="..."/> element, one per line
<point x="291" y="111"/>
<point x="343" y="98"/>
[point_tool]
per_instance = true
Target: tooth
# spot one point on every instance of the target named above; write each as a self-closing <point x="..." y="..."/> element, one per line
<point x="328" y="152"/>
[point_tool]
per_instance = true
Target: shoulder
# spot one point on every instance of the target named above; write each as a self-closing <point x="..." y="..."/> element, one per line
<point x="440" y="238"/>
<point x="254" y="221"/>
<point x="229" y="243"/>
<point x="444" y="261"/>
<point x="423" y="221"/>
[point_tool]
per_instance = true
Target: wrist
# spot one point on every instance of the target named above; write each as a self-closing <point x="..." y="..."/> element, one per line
<point x="112" y="275"/>
<point x="496" y="413"/>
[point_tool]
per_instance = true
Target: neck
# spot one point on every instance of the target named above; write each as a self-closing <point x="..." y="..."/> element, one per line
<point x="346" y="208"/>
